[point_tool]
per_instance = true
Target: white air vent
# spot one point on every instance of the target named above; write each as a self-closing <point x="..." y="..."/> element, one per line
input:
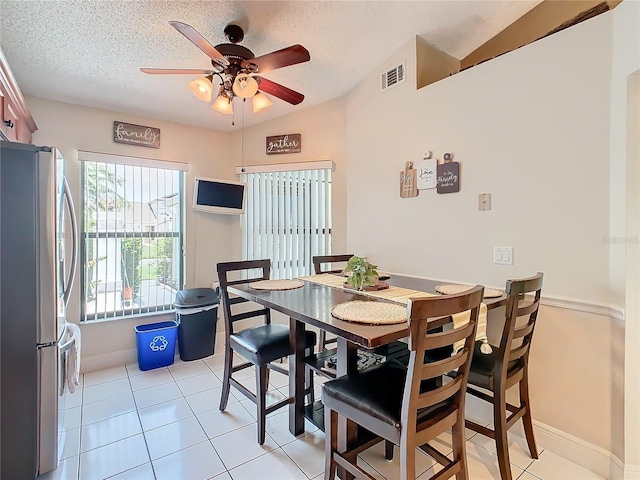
<point x="392" y="77"/>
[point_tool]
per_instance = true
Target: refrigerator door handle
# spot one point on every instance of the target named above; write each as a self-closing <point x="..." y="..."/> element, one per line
<point x="74" y="243"/>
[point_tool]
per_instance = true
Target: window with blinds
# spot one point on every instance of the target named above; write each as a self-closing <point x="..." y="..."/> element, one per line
<point x="131" y="238"/>
<point x="287" y="219"/>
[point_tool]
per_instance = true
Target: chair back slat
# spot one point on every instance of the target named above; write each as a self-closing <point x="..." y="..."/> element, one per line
<point x="442" y="339"/>
<point x="242" y="281"/>
<point x="254" y="270"/>
<point x="518" y="352"/>
<point x="458" y="303"/>
<point x="236" y="317"/>
<point x="523" y="331"/>
<point x="320" y="260"/>
<point x="422" y="343"/>
<point x="441" y="367"/>
<point x="527" y="309"/>
<point x="523" y="302"/>
<point x="524" y="285"/>
<point x="433" y="397"/>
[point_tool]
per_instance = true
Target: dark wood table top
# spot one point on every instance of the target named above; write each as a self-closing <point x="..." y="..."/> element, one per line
<point x="312" y="305"/>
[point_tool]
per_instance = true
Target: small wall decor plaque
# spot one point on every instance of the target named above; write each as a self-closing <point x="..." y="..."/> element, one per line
<point x="139" y="135"/>
<point x="426" y="170"/>
<point x="448" y="175"/>
<point x="290" y="143"/>
<point x="408" y="183"/>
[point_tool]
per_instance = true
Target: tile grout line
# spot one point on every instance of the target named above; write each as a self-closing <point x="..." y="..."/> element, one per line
<point x="144" y="438"/>
<point x="210" y="440"/>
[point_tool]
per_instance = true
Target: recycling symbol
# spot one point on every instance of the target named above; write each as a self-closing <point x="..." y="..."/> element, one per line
<point x="158" y="343"/>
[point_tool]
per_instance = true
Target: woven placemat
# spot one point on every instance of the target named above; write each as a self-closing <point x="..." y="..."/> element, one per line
<point x="283" y="284"/>
<point x="452" y="289"/>
<point x="373" y="313"/>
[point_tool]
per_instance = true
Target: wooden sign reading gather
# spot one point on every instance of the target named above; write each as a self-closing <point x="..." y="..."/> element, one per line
<point x="290" y="143"/>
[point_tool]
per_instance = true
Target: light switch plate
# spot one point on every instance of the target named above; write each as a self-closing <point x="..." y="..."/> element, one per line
<point x="503" y="255"/>
<point x="484" y="201"/>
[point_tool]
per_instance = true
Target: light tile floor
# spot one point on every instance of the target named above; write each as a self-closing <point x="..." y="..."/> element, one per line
<point x="125" y="424"/>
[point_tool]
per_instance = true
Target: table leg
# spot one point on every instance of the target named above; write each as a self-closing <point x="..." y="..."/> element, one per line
<point x="296" y="376"/>
<point x="347" y="363"/>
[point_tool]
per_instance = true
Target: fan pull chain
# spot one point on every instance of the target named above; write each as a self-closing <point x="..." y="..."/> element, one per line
<point x="242" y="136"/>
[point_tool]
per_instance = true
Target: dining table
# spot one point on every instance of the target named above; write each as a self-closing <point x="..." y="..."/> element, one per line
<point x="311" y="305"/>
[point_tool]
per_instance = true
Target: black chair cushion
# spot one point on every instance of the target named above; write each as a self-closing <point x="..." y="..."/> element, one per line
<point x="376" y="392"/>
<point x="483" y="366"/>
<point x="266" y="343"/>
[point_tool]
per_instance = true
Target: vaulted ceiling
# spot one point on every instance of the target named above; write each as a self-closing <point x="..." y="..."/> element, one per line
<point x="89" y="52"/>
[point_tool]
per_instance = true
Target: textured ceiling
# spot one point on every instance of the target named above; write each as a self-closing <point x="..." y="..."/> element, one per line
<point x="90" y="52"/>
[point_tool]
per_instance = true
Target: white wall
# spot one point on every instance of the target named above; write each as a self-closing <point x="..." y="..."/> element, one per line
<point x="323" y="131"/>
<point x="207" y="237"/>
<point x="531" y="127"/>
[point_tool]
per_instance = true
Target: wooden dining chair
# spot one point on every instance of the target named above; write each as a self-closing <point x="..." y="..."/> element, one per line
<point x="320" y="263"/>
<point x="259" y="344"/>
<point x="507" y="366"/>
<point x="408" y="405"/>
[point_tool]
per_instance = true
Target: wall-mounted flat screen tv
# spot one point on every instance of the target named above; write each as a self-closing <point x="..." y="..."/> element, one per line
<point x="214" y="195"/>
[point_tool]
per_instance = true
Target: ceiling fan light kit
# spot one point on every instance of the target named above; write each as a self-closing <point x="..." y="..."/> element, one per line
<point x="260" y="102"/>
<point x="238" y="69"/>
<point x="245" y="86"/>
<point x="223" y="104"/>
<point x="202" y="88"/>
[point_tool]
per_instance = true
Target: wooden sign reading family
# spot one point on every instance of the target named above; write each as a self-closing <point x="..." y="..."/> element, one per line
<point x="136" y="135"/>
<point x="290" y="143"/>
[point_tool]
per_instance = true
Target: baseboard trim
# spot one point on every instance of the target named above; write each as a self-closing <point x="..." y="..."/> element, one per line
<point x="586" y="454"/>
<point x="108" y="360"/>
<point x="129" y="356"/>
<point x="620" y="471"/>
<point x="611" y="311"/>
<point x="617" y="468"/>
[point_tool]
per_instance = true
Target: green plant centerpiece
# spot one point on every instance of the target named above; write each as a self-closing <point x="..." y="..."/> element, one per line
<point x="363" y="273"/>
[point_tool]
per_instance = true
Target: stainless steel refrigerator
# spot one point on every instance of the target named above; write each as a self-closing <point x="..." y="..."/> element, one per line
<point x="36" y="275"/>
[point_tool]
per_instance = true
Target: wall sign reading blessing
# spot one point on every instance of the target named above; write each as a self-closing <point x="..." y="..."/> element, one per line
<point x="290" y="143"/>
<point x="136" y="135"/>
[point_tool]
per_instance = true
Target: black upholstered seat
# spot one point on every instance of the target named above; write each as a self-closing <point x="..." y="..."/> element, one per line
<point x="374" y="392"/>
<point x="377" y="393"/>
<point x="266" y="343"/>
<point x="483" y="367"/>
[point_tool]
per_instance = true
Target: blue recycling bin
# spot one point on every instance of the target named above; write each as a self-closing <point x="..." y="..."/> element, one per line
<point x="156" y="344"/>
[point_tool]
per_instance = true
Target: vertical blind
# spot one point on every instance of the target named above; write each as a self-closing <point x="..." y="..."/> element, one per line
<point x="287" y="219"/>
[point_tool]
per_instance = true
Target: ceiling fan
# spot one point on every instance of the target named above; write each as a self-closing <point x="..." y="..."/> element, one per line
<point x="238" y="68"/>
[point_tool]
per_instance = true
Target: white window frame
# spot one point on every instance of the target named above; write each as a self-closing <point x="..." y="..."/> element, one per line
<point x="127" y="309"/>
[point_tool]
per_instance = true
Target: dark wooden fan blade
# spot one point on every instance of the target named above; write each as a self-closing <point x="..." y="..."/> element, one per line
<point x="278" y="59"/>
<point x="280" y="91"/>
<point x="199" y="41"/>
<point x="169" y="71"/>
